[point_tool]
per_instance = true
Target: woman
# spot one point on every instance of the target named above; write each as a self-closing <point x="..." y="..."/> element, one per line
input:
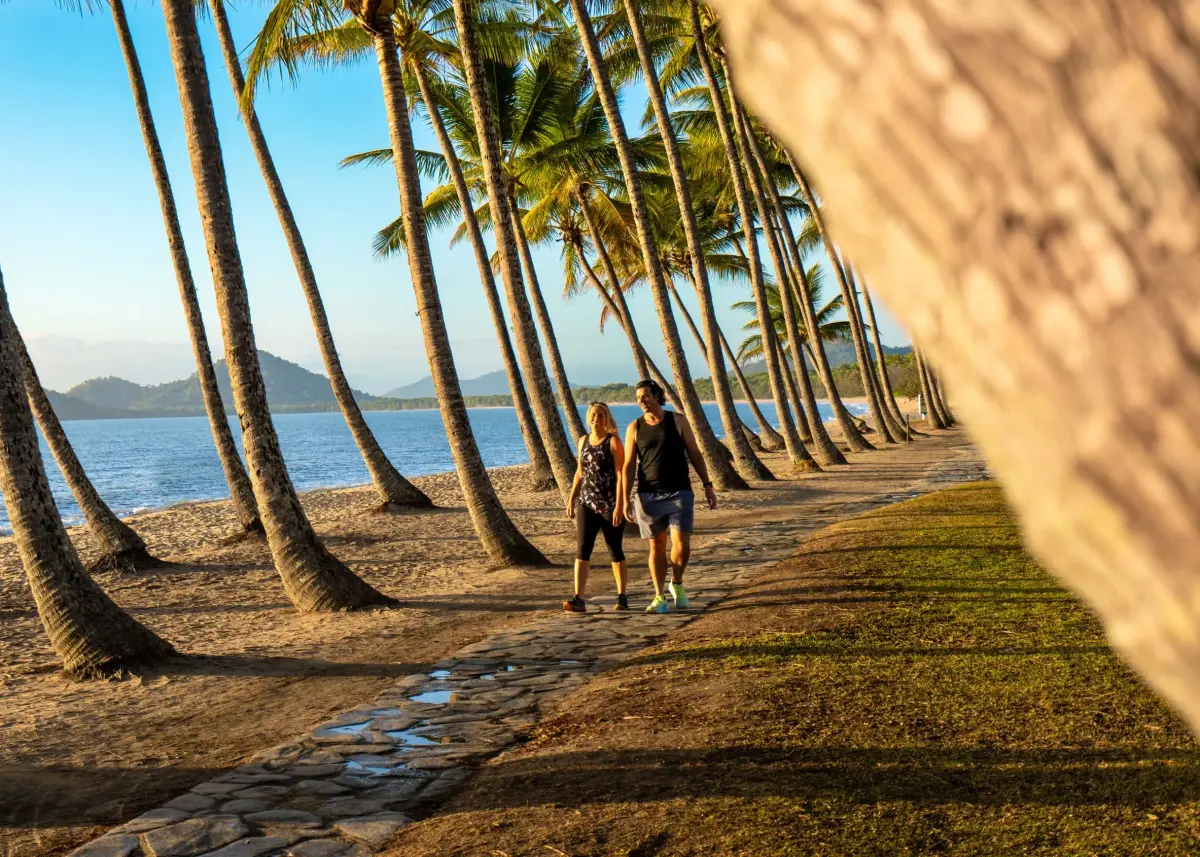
<point x="593" y="500"/>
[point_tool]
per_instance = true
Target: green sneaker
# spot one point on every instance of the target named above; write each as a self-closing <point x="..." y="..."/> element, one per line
<point x="658" y="605"/>
<point x="679" y="596"/>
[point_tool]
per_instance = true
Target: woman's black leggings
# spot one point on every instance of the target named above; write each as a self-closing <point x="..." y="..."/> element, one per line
<point x="589" y="524"/>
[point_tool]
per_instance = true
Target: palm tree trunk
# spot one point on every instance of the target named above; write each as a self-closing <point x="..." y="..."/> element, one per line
<point x="240" y="490"/>
<point x="744" y="459"/>
<point x="646" y="367"/>
<point x="640" y="357"/>
<point x="312" y="577"/>
<point x="795" y="447"/>
<point x="860" y="349"/>
<point x="935" y="386"/>
<point x="885" y="383"/>
<point x="539" y="461"/>
<point x="803" y="425"/>
<point x="392" y="489"/>
<point x="562" y="458"/>
<point x="121" y="549"/>
<point x="500" y="537"/>
<point x="770" y="439"/>
<point x="854" y="438"/>
<point x="565" y="398"/>
<point x="927" y="390"/>
<point x="723" y="474"/>
<point x="88" y="631"/>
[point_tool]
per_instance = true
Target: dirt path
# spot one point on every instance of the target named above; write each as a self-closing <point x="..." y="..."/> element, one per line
<point x="77" y="759"/>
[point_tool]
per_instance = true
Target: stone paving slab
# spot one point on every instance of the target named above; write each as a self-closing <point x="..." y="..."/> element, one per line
<point x="345" y="787"/>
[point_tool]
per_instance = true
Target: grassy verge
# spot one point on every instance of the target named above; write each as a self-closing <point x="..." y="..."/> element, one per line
<point x="910" y="683"/>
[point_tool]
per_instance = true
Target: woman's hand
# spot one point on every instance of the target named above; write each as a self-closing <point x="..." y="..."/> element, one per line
<point x="571" y="508"/>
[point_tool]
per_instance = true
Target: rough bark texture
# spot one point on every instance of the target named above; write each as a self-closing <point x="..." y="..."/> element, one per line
<point x="89" y="632"/>
<point x="744" y="459"/>
<point x="312" y="577"/>
<point x="791" y="439"/>
<point x="566" y="399"/>
<point x="935" y="384"/>
<point x="496" y="531"/>
<point x="931" y="412"/>
<point x="640" y="358"/>
<point x="721" y="471"/>
<point x="240" y="489"/>
<point x="802" y="422"/>
<point x="121" y="548"/>
<point x="392" y="488"/>
<point x="560" y="450"/>
<point x="539" y="462"/>
<point x="1020" y="181"/>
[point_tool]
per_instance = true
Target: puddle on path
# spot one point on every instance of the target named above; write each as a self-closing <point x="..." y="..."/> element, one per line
<point x="409" y="738"/>
<point x="433" y="697"/>
<point x="440" y="674"/>
<point x="371" y="770"/>
<point x="352" y="729"/>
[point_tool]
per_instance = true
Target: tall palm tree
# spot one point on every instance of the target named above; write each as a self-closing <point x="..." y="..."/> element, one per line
<point x="723" y="474"/>
<point x="885" y="383"/>
<point x="121" y="549"/>
<point x="312" y="577"/>
<point x="91" y="635"/>
<point x="744" y="458"/>
<point x="923" y="375"/>
<point x="392" y="488"/>
<point x="799" y="456"/>
<point x="240" y="490"/>
<point x="503" y="217"/>
<point x="500" y="537"/>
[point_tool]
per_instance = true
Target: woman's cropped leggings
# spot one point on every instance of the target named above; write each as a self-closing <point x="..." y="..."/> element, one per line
<point x="589" y="524"/>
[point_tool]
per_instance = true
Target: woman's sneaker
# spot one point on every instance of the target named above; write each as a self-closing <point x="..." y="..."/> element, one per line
<point x="622" y="602"/>
<point x="575" y="605"/>
<point x="658" y="605"/>
<point x="679" y="596"/>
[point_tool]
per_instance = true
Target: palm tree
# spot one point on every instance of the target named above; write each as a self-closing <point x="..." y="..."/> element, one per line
<point x="723" y="474"/>
<point x="240" y="490"/>
<point x="504" y="214"/>
<point x="799" y="456"/>
<point x="927" y="390"/>
<point x="312" y="577"/>
<point x="121" y="549"/>
<point x="495" y="529"/>
<point x="392" y="489"/>
<point x="743" y="456"/>
<point x="889" y="397"/>
<point x="91" y="635"/>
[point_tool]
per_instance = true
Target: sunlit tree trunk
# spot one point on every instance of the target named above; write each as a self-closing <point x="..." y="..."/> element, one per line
<point x="885" y="383"/>
<point x="566" y="399"/>
<point x="722" y="472"/>
<point x="539" y="461"/>
<point x="240" y="489"/>
<point x="312" y="577"/>
<point x="90" y="634"/>
<point x="495" y="529"/>
<point x="391" y="488"/>
<point x="931" y="412"/>
<point x="770" y="439"/>
<point x="562" y="458"/>
<point x="744" y="458"/>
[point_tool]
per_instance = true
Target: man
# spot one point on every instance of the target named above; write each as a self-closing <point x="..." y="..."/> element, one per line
<point x="659" y="445"/>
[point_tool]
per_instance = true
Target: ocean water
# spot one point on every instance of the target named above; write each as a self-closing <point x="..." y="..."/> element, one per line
<point x="143" y="464"/>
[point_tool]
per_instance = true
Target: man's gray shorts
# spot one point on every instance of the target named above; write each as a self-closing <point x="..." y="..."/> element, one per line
<point x="654" y="513"/>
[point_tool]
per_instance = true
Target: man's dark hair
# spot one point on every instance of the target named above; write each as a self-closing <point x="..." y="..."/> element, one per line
<point x="652" y="386"/>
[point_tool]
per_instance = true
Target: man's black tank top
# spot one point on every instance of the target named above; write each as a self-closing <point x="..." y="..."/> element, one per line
<point x="662" y="457"/>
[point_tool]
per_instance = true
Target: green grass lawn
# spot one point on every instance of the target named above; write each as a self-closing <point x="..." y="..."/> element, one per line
<point x="924" y="688"/>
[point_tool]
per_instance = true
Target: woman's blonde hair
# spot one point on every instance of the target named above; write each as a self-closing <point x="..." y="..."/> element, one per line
<point x="606" y="418"/>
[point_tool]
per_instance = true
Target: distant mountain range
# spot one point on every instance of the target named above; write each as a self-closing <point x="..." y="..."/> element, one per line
<point x="292" y="388"/>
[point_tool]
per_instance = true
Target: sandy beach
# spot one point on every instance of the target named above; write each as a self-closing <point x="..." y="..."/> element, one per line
<point x="77" y="757"/>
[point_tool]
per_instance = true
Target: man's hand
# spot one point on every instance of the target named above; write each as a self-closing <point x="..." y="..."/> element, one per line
<point x="710" y="494"/>
<point x="618" y="514"/>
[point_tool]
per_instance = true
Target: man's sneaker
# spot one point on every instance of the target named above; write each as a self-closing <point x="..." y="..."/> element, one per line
<point x="622" y="602"/>
<point x="575" y="605"/>
<point x="679" y="596"/>
<point x="658" y="605"/>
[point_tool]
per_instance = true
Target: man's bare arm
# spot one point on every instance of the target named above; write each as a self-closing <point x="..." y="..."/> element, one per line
<point x="693" y="451"/>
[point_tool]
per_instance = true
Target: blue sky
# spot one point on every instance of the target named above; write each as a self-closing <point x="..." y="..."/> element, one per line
<point x="83" y="250"/>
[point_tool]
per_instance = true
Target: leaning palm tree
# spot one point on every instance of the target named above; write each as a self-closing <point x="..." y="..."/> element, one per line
<point x="240" y="490"/>
<point x="392" y="489"/>
<point x="744" y="458"/>
<point x="494" y="527"/>
<point x="723" y="473"/>
<point x="312" y="577"/>
<point x="121" y="549"/>
<point x="90" y="634"/>
<point x="885" y="383"/>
